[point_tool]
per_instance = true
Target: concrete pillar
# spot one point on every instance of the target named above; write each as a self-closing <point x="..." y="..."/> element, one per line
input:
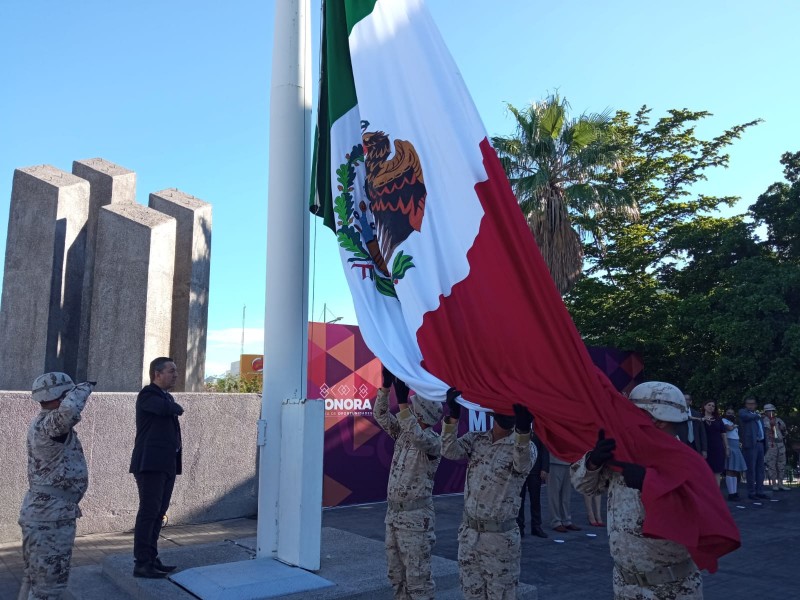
<point x="300" y="487"/>
<point x="132" y="295"/>
<point x="110" y="184"/>
<point x="42" y="281"/>
<point x="190" y="286"/>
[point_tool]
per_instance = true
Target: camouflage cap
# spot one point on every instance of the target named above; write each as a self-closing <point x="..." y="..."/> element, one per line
<point x="429" y="411"/>
<point x="768" y="407"/>
<point x="51" y="386"/>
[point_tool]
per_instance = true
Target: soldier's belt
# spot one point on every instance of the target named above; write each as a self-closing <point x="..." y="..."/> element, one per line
<point x="489" y="525"/>
<point x="403" y="505"/>
<point x="658" y="576"/>
<point x="60" y="493"/>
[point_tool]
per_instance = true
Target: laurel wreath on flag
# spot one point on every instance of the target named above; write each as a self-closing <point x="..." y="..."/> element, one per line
<point x="349" y="237"/>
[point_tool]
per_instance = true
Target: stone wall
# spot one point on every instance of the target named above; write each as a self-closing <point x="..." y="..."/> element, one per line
<point x="219" y="460"/>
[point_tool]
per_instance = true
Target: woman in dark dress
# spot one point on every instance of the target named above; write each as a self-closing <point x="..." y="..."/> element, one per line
<point x="717" y="440"/>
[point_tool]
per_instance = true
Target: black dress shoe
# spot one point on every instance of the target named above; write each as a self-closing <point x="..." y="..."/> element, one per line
<point x="148" y="571"/>
<point x="162" y="567"/>
<point x="537" y="531"/>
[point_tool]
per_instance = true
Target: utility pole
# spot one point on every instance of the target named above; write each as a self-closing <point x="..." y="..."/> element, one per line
<point x="241" y="351"/>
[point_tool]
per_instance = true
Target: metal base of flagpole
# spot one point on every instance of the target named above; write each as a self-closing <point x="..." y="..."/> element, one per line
<point x="249" y="580"/>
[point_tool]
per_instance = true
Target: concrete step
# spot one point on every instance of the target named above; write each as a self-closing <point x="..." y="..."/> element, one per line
<point x="89" y="583"/>
<point x="355" y="564"/>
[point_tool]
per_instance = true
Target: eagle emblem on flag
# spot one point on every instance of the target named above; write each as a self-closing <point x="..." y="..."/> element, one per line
<point x="392" y="206"/>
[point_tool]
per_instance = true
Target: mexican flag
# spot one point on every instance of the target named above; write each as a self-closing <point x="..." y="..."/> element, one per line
<point x="448" y="284"/>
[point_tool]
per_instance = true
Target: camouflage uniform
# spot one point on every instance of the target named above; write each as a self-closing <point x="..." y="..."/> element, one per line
<point x="409" y="517"/>
<point x="775" y="456"/>
<point x="640" y="563"/>
<point x="488" y="538"/>
<point x="57" y="478"/>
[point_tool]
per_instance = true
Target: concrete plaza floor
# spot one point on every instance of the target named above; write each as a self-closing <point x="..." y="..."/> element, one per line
<point x="579" y="567"/>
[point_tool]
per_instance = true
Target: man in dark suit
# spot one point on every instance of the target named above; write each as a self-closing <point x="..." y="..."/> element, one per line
<point x="155" y="462"/>
<point x="533" y="488"/>
<point x="751" y="434"/>
<point x="693" y="432"/>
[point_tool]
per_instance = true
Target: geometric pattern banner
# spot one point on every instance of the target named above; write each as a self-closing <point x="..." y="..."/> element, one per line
<point x="624" y="369"/>
<point x="346" y="375"/>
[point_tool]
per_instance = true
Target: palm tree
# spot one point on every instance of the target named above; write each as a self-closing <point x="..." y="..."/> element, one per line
<point x="562" y="172"/>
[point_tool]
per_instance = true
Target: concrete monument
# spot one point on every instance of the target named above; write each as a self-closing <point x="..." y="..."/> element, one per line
<point x="96" y="285"/>
<point x="132" y="295"/>
<point x="42" y="281"/>
<point x="109" y="184"/>
<point x="190" y="285"/>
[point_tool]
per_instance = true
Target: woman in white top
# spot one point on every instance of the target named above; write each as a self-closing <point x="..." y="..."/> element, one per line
<point x="734" y="461"/>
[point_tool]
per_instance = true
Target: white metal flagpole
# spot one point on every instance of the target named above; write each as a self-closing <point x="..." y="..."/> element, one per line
<point x="286" y="306"/>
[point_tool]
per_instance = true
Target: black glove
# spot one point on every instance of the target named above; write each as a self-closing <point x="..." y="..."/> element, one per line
<point x="632" y="473"/>
<point x="388" y="378"/>
<point x="453" y="407"/>
<point x="603" y="450"/>
<point x="401" y="391"/>
<point x="178" y="409"/>
<point x="523" y="418"/>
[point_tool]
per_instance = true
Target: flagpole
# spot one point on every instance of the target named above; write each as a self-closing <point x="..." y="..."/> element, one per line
<point x="286" y="302"/>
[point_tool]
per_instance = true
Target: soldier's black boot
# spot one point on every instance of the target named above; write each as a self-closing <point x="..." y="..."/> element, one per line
<point x="148" y="571"/>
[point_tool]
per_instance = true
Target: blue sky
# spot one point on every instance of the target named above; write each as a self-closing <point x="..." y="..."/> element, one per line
<point x="178" y="91"/>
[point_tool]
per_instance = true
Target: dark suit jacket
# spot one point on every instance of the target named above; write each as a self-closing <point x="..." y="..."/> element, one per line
<point x="542" y="457"/>
<point x="158" y="433"/>
<point x="700" y="436"/>
<point x="748" y="427"/>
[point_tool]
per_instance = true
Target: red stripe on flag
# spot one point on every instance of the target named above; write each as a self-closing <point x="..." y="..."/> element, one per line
<point x="503" y="335"/>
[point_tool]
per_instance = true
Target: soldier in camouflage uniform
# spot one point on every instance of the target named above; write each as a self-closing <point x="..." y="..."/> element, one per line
<point x="57" y="479"/>
<point x="409" y="516"/>
<point x="775" y="455"/>
<point x="644" y="568"/>
<point x="499" y="463"/>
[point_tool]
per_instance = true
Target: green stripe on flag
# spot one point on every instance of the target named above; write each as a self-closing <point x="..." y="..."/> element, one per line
<point x="337" y="94"/>
<point x="357" y="10"/>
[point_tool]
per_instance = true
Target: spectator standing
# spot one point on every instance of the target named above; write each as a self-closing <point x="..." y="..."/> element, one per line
<point x="692" y="431"/>
<point x="533" y="488"/>
<point x="559" y="496"/>
<point x="735" y="464"/>
<point x="751" y="432"/>
<point x="594" y="507"/>
<point x="57" y="480"/>
<point x="775" y="456"/>
<point x="715" y="437"/>
<point x="155" y="461"/>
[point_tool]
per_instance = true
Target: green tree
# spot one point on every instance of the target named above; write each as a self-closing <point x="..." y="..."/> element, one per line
<point x="633" y="294"/>
<point x="236" y="384"/>
<point x="779" y="209"/>
<point x="559" y="169"/>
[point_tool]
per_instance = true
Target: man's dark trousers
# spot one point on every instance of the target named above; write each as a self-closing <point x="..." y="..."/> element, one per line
<point x="155" y="491"/>
<point x="533" y="488"/>
<point x="754" y="457"/>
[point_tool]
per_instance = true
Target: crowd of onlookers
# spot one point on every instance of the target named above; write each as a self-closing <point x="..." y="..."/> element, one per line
<point x="744" y="446"/>
<point x="740" y="447"/>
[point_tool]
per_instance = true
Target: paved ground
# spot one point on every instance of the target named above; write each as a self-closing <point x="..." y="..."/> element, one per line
<point x="577" y="569"/>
